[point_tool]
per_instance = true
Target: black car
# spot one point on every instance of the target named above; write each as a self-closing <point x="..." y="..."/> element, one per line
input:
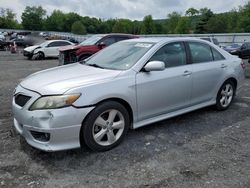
<point x="3" y="45"/>
<point x="244" y="51"/>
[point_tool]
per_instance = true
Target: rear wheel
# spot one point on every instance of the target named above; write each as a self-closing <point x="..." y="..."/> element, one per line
<point x="225" y="95"/>
<point x="106" y="126"/>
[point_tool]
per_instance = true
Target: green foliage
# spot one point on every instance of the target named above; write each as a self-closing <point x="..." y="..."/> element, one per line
<point x="148" y="26"/>
<point x="32" y="18"/>
<point x="8" y="19"/>
<point x="172" y="21"/>
<point x="69" y="19"/>
<point x="78" y="28"/>
<point x="182" y="26"/>
<point x="245" y="17"/>
<point x="198" y="21"/>
<point x="56" y="21"/>
<point x="122" y="26"/>
<point x="205" y="15"/>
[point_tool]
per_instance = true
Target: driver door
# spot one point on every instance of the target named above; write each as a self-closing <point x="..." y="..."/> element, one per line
<point x="161" y="92"/>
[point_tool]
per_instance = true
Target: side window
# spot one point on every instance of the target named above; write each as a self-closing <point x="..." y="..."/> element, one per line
<point x="52" y="44"/>
<point x="217" y="55"/>
<point x="64" y="43"/>
<point x="200" y="52"/>
<point x="243" y="46"/>
<point x="120" y="38"/>
<point x="172" y="54"/>
<point x="109" y="41"/>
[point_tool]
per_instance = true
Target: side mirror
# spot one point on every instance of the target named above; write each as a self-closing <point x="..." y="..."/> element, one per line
<point x="154" y="66"/>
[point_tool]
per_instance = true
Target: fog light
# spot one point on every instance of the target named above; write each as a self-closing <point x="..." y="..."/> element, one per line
<point x="43" y="137"/>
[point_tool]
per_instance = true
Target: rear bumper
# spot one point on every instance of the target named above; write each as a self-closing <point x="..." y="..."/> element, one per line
<point x="67" y="57"/>
<point x="62" y="125"/>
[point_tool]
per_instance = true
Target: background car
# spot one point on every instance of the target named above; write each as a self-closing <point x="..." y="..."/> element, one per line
<point x="46" y="49"/>
<point x="232" y="49"/>
<point x="3" y="45"/>
<point x="2" y="37"/>
<point x="89" y="47"/>
<point x="244" y="51"/>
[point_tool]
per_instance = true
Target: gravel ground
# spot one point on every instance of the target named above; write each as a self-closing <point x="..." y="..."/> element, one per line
<point x="205" y="148"/>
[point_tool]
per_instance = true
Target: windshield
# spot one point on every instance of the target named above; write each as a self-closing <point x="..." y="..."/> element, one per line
<point x="120" y="56"/>
<point x="91" y="40"/>
<point x="44" y="44"/>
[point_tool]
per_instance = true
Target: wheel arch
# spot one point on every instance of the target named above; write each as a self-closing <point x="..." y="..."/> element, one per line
<point x="116" y="99"/>
<point x="234" y="80"/>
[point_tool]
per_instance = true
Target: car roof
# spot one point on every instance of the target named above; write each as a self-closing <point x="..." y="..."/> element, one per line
<point x="113" y="34"/>
<point x="49" y="41"/>
<point x="164" y="39"/>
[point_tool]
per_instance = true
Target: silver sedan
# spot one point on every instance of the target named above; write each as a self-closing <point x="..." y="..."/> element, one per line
<point x="127" y="85"/>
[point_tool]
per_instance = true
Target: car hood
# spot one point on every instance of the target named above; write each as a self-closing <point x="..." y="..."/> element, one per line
<point x="60" y="79"/>
<point x="31" y="48"/>
<point x="69" y="47"/>
<point x="76" y="47"/>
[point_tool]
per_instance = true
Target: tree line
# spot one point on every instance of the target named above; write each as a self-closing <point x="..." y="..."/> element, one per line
<point x="193" y="21"/>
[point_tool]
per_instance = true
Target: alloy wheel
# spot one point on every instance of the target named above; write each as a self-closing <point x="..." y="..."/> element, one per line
<point x="108" y="127"/>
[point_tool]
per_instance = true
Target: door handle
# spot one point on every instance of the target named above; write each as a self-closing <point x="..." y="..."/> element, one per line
<point x="223" y="66"/>
<point x="187" y="73"/>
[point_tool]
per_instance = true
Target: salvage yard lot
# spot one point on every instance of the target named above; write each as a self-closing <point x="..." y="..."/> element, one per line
<point x="205" y="148"/>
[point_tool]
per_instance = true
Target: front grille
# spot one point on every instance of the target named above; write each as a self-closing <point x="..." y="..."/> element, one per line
<point x="21" y="100"/>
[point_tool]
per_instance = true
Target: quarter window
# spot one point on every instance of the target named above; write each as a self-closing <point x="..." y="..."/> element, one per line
<point x="217" y="55"/>
<point x="200" y="52"/>
<point x="172" y="55"/>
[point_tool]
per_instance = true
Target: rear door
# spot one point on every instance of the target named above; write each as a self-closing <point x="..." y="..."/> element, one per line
<point x="209" y="68"/>
<point x="160" y="92"/>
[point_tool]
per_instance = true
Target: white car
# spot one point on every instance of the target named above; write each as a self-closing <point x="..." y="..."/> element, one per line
<point x="46" y="49"/>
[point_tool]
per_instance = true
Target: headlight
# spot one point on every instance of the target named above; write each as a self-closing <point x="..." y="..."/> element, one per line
<point x="52" y="102"/>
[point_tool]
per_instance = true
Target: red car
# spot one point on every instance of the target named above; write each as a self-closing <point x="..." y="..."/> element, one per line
<point x="89" y="47"/>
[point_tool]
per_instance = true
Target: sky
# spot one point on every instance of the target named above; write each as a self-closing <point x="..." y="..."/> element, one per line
<point x="131" y="9"/>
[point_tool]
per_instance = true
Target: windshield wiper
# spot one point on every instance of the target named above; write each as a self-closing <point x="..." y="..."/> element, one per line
<point x="95" y="65"/>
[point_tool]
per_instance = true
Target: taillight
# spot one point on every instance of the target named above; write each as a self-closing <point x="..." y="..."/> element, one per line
<point x="243" y="64"/>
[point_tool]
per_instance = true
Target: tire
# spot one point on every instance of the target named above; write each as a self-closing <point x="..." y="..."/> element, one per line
<point x="40" y="56"/>
<point x="30" y="57"/>
<point x="101" y="130"/>
<point x="225" y="95"/>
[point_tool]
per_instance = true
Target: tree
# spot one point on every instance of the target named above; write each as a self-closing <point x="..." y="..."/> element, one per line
<point x="192" y="12"/>
<point x="123" y="26"/>
<point x="78" y="28"/>
<point x="217" y="24"/>
<point x="148" y="26"/>
<point x="8" y="19"/>
<point x="172" y="22"/>
<point x="33" y="18"/>
<point x="245" y="17"/>
<point x="70" y="18"/>
<point x="182" y="26"/>
<point x="55" y="22"/>
<point x="201" y="26"/>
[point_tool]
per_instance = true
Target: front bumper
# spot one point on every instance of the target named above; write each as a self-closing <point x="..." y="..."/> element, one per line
<point x="62" y="125"/>
<point x="27" y="54"/>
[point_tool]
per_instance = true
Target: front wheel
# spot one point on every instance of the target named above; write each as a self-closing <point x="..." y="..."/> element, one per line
<point x="225" y="95"/>
<point x="40" y="56"/>
<point x="106" y="126"/>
